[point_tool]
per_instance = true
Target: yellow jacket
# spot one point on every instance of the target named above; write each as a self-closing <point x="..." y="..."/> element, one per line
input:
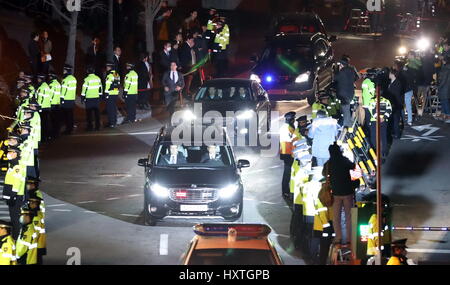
<point x="8" y="251"/>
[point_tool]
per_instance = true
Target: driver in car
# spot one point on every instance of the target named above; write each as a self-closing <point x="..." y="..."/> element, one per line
<point x="212" y="157"/>
<point x="173" y="157"/>
<point x="242" y="93"/>
<point x="212" y="93"/>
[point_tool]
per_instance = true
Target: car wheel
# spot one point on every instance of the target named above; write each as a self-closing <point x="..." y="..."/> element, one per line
<point x="148" y="219"/>
<point x="312" y="97"/>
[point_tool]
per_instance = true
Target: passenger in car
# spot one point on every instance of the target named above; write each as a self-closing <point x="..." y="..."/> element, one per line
<point x="173" y="157"/>
<point x="212" y="157"/>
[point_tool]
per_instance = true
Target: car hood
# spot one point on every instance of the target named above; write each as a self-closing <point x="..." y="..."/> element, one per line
<point x="277" y="67"/>
<point x="203" y="177"/>
<point x="223" y="106"/>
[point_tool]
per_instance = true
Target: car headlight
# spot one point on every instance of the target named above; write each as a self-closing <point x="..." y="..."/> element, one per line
<point x="255" y="78"/>
<point x="189" y="115"/>
<point x="228" y="191"/>
<point x="245" y="115"/>
<point x="302" y="77"/>
<point x="159" y="190"/>
<point x="423" y="44"/>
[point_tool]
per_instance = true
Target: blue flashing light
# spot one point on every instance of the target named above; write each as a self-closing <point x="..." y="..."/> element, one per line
<point x="269" y="78"/>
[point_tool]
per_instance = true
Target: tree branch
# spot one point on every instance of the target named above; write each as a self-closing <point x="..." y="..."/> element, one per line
<point x="157" y="8"/>
<point x="53" y="4"/>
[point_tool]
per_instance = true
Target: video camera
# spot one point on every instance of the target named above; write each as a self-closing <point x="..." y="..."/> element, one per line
<point x="379" y="76"/>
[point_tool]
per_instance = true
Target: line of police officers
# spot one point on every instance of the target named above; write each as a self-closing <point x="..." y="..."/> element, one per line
<point x="23" y="239"/>
<point x="311" y="224"/>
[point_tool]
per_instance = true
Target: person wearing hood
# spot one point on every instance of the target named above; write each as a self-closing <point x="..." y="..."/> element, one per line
<point x="323" y="133"/>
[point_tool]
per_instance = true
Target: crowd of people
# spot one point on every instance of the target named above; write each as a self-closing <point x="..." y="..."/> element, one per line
<point x="314" y="154"/>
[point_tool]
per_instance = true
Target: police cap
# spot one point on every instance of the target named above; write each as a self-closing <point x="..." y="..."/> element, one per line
<point x="5" y="224"/>
<point x="290" y="116"/>
<point x="67" y="67"/>
<point x="14" y="136"/>
<point x="130" y="65"/>
<point x="25" y="210"/>
<point x="41" y="76"/>
<point x="323" y="95"/>
<point x="90" y="70"/>
<point x="14" y="149"/>
<point x="110" y="64"/>
<point x="24" y="125"/>
<point x="34" y="198"/>
<point x="32" y="180"/>
<point x="302" y="118"/>
<point x="399" y="243"/>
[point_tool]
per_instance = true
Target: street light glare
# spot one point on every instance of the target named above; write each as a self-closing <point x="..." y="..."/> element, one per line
<point x="423" y="44"/>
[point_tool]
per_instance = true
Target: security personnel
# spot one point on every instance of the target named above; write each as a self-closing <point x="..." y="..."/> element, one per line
<point x="32" y="186"/>
<point x="219" y="49"/>
<point x="112" y="84"/>
<point x="130" y="92"/>
<point x="211" y="25"/>
<point x="34" y="203"/>
<point x="43" y="94"/>
<point x="323" y="229"/>
<point x="90" y="92"/>
<point x="68" y="95"/>
<point x="27" y="243"/>
<point x="287" y="138"/>
<point x="385" y="113"/>
<point x="7" y="245"/>
<point x="368" y="92"/>
<point x="32" y="116"/>
<point x="398" y="253"/>
<point x="55" y="91"/>
<point x="321" y="104"/>
<point x="14" y="188"/>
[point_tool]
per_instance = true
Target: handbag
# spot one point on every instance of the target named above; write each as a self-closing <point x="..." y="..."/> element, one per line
<point x="325" y="193"/>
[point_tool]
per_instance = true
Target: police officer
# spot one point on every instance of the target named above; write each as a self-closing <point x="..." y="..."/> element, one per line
<point x="287" y="138"/>
<point x="7" y="245"/>
<point x="368" y="92"/>
<point x="130" y="92"/>
<point x="55" y="91"/>
<point x="219" y="49"/>
<point x="34" y="203"/>
<point x="385" y="113"/>
<point x="27" y="243"/>
<point x="398" y="253"/>
<point x="68" y="95"/>
<point x="43" y="94"/>
<point x="321" y="104"/>
<point x="90" y="92"/>
<point x="112" y="84"/>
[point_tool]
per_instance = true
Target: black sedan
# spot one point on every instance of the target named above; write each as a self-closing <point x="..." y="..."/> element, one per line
<point x="295" y="66"/>
<point x="241" y="103"/>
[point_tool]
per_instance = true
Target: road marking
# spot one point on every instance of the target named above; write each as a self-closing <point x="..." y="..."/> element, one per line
<point x="418" y="138"/>
<point x="248" y="199"/>
<point x="130" y="215"/>
<point x="4" y="217"/>
<point x="426" y="250"/>
<point x="135" y="195"/>
<point x="90" y="212"/>
<point x="283" y="236"/>
<point x="276" y="166"/>
<point x="115" y="175"/>
<point x="75" y="182"/>
<point x="113" y="198"/>
<point x="85" y="202"/>
<point x="164" y="244"/>
<point x="265" y="202"/>
<point x="61" y="210"/>
<point x="118" y="185"/>
<point x="428" y="127"/>
<point x="55" y="205"/>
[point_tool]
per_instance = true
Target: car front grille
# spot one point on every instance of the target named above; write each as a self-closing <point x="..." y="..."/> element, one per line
<point x="197" y="195"/>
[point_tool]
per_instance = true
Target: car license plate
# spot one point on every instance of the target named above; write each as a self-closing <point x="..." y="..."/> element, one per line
<point x="193" y="208"/>
<point x="277" y="91"/>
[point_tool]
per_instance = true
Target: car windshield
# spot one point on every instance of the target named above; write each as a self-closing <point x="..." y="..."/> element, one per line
<point x="224" y="93"/>
<point x="227" y="256"/>
<point x="290" y="54"/>
<point x="176" y="156"/>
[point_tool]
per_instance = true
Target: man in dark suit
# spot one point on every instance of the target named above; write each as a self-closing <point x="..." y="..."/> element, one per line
<point x="167" y="56"/>
<point x="144" y="71"/>
<point x="173" y="83"/>
<point x="34" y="54"/>
<point x="173" y="157"/>
<point x="94" y="57"/>
<point x="188" y="59"/>
<point x="212" y="157"/>
<point x="117" y="60"/>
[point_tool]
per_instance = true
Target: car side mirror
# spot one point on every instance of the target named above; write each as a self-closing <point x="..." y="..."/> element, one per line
<point x="332" y="38"/>
<point x="143" y="162"/>
<point x="243" y="163"/>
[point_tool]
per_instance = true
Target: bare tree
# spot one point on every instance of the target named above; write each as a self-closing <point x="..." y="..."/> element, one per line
<point x="71" y="18"/>
<point x="109" y="44"/>
<point x="151" y="9"/>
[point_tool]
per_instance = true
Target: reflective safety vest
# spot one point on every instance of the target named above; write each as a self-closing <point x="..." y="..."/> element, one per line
<point x="55" y="89"/>
<point x="287" y="137"/>
<point x="35" y="134"/>
<point x="301" y="178"/>
<point x="222" y="39"/>
<point x="39" y="225"/>
<point x="110" y="78"/>
<point x="322" y="219"/>
<point x="44" y="95"/>
<point x="385" y="109"/>
<point x="368" y="92"/>
<point x="27" y="152"/>
<point x="7" y="251"/>
<point x="26" y="246"/>
<point x="92" y="87"/>
<point x="310" y="197"/>
<point x="294" y="169"/>
<point x="397" y="260"/>
<point x="131" y="83"/>
<point x="15" y="176"/>
<point x="69" y="88"/>
<point x="372" y="240"/>
<point x="317" y="106"/>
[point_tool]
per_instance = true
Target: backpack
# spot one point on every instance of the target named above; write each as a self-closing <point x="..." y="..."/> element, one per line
<point x="325" y="193"/>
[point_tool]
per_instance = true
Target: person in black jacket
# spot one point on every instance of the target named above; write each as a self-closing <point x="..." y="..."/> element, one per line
<point x="173" y="83"/>
<point x="425" y="76"/>
<point x="144" y="71"/>
<point x="34" y="53"/>
<point x="166" y="56"/>
<point x="345" y="86"/>
<point x="94" y="57"/>
<point x="396" y="97"/>
<point x="188" y="59"/>
<point x="338" y="168"/>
